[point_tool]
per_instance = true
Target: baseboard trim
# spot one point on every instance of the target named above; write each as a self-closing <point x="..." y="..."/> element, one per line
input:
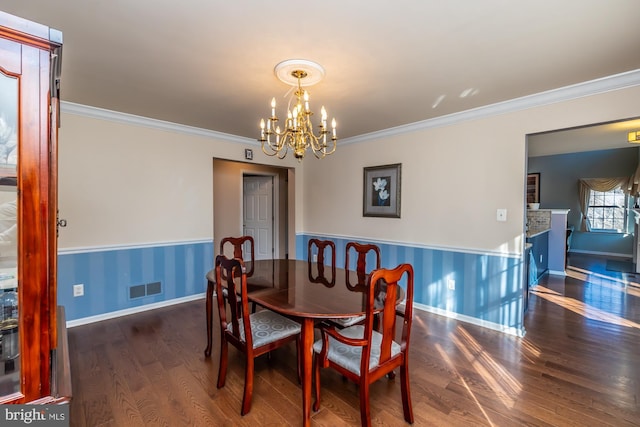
<point x="558" y="272"/>
<point x="133" y="310"/>
<point x="518" y="332"/>
<point x="616" y="254"/>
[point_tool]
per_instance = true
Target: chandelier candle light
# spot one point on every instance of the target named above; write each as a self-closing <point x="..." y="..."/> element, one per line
<point x="298" y="130"/>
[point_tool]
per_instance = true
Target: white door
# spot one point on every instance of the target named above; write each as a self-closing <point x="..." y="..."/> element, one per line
<point x="258" y="213"/>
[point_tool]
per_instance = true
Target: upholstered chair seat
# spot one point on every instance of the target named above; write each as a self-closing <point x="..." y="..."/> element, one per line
<point x="349" y="356"/>
<point x="267" y="327"/>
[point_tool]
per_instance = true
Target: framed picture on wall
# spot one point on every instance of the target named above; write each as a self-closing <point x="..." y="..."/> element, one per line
<point x="381" y="193"/>
<point x="533" y="188"/>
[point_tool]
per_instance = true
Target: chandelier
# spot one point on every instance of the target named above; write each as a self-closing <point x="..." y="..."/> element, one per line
<point x="297" y="132"/>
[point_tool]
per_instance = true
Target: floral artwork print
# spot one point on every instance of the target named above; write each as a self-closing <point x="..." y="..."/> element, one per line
<point x="381" y="190"/>
<point x="380" y="196"/>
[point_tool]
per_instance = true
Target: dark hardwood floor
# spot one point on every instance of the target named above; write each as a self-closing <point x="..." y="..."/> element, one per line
<point x="579" y="364"/>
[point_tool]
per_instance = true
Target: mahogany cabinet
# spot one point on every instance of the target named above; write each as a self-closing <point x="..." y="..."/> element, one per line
<point x="32" y="333"/>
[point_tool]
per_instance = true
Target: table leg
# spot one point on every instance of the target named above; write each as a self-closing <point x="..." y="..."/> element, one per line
<point x="209" y="310"/>
<point x="307" y="369"/>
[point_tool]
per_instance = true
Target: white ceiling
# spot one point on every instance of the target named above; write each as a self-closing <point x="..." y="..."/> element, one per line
<point x="209" y="64"/>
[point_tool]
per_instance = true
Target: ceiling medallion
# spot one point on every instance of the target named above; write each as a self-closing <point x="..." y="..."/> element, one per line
<point x="297" y="133"/>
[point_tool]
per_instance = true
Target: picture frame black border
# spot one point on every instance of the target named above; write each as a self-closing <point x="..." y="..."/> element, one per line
<point x="369" y="173"/>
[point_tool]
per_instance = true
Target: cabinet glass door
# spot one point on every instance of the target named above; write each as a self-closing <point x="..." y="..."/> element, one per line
<point x="9" y="325"/>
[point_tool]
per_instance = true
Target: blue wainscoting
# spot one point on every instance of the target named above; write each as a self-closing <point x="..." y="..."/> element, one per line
<point x="488" y="286"/>
<point x="107" y="275"/>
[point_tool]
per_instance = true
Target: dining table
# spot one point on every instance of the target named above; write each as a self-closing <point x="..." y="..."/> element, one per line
<point x="300" y="290"/>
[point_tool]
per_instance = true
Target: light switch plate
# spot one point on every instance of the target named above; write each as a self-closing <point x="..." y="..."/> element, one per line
<point x="501" y="215"/>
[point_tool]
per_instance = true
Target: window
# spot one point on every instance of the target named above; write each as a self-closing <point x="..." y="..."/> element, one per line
<point x="608" y="210"/>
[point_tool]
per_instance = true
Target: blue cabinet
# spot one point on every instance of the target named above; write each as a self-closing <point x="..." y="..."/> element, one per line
<point x="538" y="257"/>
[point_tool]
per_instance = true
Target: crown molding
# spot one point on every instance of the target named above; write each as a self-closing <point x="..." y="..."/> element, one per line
<point x="579" y="90"/>
<point x="131" y="119"/>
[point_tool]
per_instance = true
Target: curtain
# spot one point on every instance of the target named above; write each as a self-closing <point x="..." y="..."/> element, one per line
<point x="584" y="194"/>
<point x="629" y="186"/>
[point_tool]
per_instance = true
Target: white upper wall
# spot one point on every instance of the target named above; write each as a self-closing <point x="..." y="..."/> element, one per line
<point x="454" y="177"/>
<point x="124" y="183"/>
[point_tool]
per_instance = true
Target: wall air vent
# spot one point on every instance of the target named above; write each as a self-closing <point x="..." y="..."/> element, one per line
<point x="154" y="288"/>
<point x="139" y="291"/>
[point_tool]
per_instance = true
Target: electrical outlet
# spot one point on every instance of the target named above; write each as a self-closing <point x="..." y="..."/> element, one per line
<point x="451" y="284"/>
<point x="501" y="214"/>
<point x="540" y="258"/>
<point x="78" y="290"/>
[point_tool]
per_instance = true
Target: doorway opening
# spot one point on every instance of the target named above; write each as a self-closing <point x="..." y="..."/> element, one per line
<point x="563" y="157"/>
<point x="255" y="200"/>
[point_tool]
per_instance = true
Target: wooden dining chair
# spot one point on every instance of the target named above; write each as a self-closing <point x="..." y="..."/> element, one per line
<point x="362" y="251"/>
<point x="268" y="330"/>
<point x="318" y="248"/>
<point x="238" y="244"/>
<point x="364" y="355"/>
